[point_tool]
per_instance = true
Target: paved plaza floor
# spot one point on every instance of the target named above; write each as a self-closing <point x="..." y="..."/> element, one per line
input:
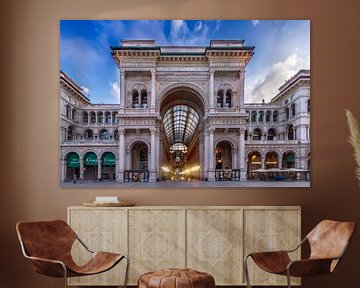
<point x="188" y="184"/>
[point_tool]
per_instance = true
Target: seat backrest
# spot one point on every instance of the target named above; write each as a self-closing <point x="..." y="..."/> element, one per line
<point x="46" y="239"/>
<point x="329" y="239"/>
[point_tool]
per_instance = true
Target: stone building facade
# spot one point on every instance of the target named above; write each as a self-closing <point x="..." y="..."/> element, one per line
<point x="182" y="116"/>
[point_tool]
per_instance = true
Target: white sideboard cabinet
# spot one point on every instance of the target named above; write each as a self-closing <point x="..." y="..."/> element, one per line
<point x="211" y="239"/>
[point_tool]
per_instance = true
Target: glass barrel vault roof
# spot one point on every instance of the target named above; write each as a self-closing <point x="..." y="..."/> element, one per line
<point x="180" y="123"/>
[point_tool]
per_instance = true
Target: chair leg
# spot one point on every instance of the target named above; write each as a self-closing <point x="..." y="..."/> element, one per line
<point x="288" y="278"/>
<point x="127" y="271"/>
<point x="65" y="275"/>
<point x="246" y="272"/>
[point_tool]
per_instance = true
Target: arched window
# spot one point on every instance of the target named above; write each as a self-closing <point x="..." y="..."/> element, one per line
<point x="139" y="155"/>
<point x="88" y="134"/>
<point x="254" y="163"/>
<point x="73" y="114"/>
<point x="287" y="113"/>
<point x="114" y="118"/>
<point x="253" y="116"/>
<point x="92" y="117"/>
<point x="116" y="135"/>
<point x="288" y="160"/>
<point x="223" y="155"/>
<point x="100" y="117"/>
<point x="228" y="97"/>
<point x="268" y="116"/>
<point x="293" y="109"/>
<point x="275" y="116"/>
<point x="144" y="99"/>
<point x="90" y="166"/>
<point x="220" y="99"/>
<point x="308" y="105"/>
<point x="257" y="133"/>
<point x="72" y="166"/>
<point x="290" y="132"/>
<point x="104" y="134"/>
<point x="107" y="117"/>
<point x="271" y="134"/>
<point x="271" y="160"/>
<point x="68" y="111"/>
<point x="135" y="99"/>
<point x="71" y="133"/>
<point x="261" y="116"/>
<point x="85" y="117"/>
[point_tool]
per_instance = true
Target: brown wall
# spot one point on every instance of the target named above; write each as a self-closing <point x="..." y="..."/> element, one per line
<point x="30" y="135"/>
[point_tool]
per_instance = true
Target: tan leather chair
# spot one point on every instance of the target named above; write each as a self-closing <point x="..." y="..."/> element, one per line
<point x="328" y="242"/>
<point x="48" y="245"/>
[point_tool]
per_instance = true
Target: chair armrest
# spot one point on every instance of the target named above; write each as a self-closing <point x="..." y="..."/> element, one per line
<point x="84" y="245"/>
<point x="48" y="267"/>
<point x="309" y="267"/>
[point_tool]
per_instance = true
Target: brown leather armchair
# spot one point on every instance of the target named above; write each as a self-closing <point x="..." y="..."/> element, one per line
<point x="328" y="242"/>
<point x="48" y="245"/>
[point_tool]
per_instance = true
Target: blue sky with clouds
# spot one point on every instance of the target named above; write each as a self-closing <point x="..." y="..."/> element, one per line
<point x="282" y="47"/>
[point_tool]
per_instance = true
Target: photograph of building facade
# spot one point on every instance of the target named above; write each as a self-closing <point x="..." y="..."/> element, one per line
<point x="182" y="117"/>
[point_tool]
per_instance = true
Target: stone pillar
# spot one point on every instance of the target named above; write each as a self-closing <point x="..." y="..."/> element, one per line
<point x="157" y="153"/>
<point x="153" y="155"/>
<point x="122" y="89"/>
<point x="211" y="173"/>
<point x="242" y="154"/>
<point x="211" y="89"/>
<point x="63" y="169"/>
<point x="206" y="154"/>
<point x="153" y="88"/>
<point x="280" y="159"/>
<point x="99" y="169"/>
<point x="121" y="155"/>
<point x="242" y="90"/>
<point x="234" y="162"/>
<point x="81" y="169"/>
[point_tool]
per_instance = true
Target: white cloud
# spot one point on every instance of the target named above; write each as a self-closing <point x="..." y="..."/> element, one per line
<point x="86" y="90"/>
<point x="255" y="22"/>
<point x="180" y="33"/>
<point x="198" y="26"/>
<point x="218" y="24"/>
<point x="115" y="89"/>
<point x="80" y="53"/>
<point x="267" y="86"/>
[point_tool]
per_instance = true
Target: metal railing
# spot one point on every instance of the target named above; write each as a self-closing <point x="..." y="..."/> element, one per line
<point x="139" y="175"/>
<point x="227" y="175"/>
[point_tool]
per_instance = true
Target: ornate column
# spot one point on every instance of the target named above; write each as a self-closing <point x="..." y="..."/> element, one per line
<point x="157" y="149"/>
<point x="152" y="155"/>
<point x="206" y="155"/>
<point x="211" y="89"/>
<point x="211" y="173"/>
<point x="234" y="162"/>
<point x="122" y="89"/>
<point x="241" y="89"/>
<point x="242" y="154"/>
<point x="121" y="155"/>
<point x="99" y="169"/>
<point x="280" y="159"/>
<point x="153" y="88"/>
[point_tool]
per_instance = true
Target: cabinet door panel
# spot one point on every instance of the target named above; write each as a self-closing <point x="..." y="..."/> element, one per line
<point x="156" y="240"/>
<point x="269" y="230"/>
<point x="100" y="230"/>
<point x="214" y="244"/>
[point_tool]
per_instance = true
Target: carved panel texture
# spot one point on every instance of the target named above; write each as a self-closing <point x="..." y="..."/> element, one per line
<point x="156" y="240"/>
<point x="269" y="230"/>
<point x="213" y="244"/>
<point x="207" y="239"/>
<point x="101" y="230"/>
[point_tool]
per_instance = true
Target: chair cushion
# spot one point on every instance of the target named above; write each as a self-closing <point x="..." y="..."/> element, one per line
<point x="176" y="278"/>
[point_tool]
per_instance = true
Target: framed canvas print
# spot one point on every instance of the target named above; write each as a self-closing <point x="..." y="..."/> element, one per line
<point x="185" y="103"/>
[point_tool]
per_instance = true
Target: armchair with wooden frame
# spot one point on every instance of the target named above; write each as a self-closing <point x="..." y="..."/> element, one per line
<point x="48" y="245"/>
<point x="328" y="242"/>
